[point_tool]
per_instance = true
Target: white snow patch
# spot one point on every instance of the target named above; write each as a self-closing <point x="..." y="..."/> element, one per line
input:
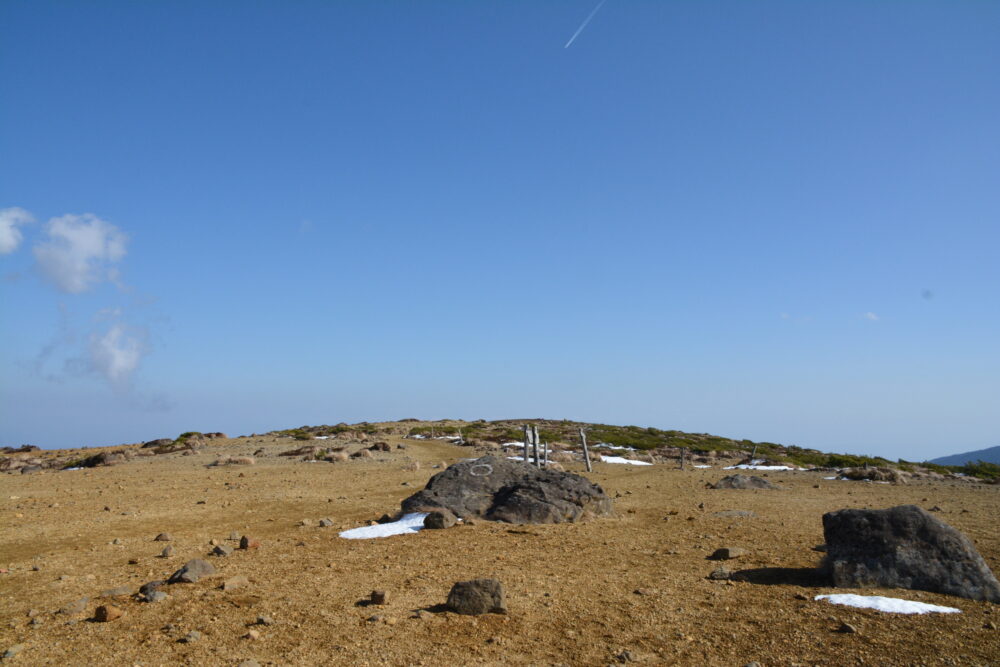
<point x="750" y="466"/>
<point x="322" y="437"/>
<point x="834" y="477"/>
<point x="702" y="466"/>
<point x="609" y="446"/>
<point x="418" y="437"/>
<point x="619" y="459"/>
<point x="408" y="523"/>
<point x="889" y="605"/>
<point x="76" y="468"/>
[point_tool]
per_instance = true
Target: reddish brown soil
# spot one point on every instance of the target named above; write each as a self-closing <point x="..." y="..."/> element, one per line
<point x="571" y="589"/>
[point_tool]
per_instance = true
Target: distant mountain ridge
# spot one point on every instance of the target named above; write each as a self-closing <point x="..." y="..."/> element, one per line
<point x="990" y="455"/>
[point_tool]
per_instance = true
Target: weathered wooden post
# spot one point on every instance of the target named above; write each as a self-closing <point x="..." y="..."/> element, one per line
<point x="753" y="454"/>
<point x="684" y="451"/>
<point x="527" y="439"/>
<point x="586" y="452"/>
<point x="534" y="445"/>
<point x="545" y="454"/>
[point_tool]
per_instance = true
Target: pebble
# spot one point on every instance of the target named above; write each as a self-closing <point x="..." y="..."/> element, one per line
<point x="325" y="523"/>
<point x="162" y="537"/>
<point x="265" y="620"/>
<point x="249" y="543"/>
<point x="377" y="597"/>
<point x="74" y="608"/>
<point x="233" y="583"/>
<point x="13" y="650"/>
<point x="191" y="637"/>
<point x="847" y="628"/>
<point x="989" y="625"/>
<point x="156" y="596"/>
<point x="253" y="634"/>
<point x="728" y="553"/>
<point x="720" y="574"/>
<point x="167" y="552"/>
<point x="107" y="613"/>
<point x="222" y="550"/>
<point x="117" y="540"/>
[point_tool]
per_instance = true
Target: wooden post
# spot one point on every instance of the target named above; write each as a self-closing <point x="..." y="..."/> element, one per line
<point x="684" y="451"/>
<point x="586" y="452"/>
<point x="527" y="438"/>
<point x="545" y="454"/>
<point x="753" y="454"/>
<point x="534" y="445"/>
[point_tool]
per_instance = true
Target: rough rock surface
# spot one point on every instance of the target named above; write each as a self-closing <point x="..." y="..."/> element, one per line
<point x="439" y="519"/>
<point x="498" y="489"/>
<point x="479" y="596"/>
<point x="904" y="547"/>
<point x="743" y="482"/>
<point x="192" y="571"/>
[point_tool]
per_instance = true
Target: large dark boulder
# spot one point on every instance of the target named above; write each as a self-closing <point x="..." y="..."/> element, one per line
<point x="904" y="547"/>
<point x="498" y="489"/>
<point x="743" y="482"/>
<point x="479" y="596"/>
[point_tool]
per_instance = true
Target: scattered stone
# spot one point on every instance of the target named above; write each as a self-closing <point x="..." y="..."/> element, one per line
<point x="222" y="550"/>
<point x="13" y="650"/>
<point x="728" y="553"/>
<point x="265" y="620"/>
<point x="75" y="608"/>
<point x="377" y="597"/>
<point x="214" y="542"/>
<point x="385" y="518"/>
<point x="847" y="628"/>
<point x="148" y="588"/>
<point x="989" y="625"/>
<point x="936" y="508"/>
<point x="117" y="592"/>
<point x="252" y="634"/>
<point x="249" y="543"/>
<point x="133" y="561"/>
<point x="192" y="571"/>
<point x="162" y="537"/>
<point x="235" y="535"/>
<point x="478" y="596"/>
<point x="440" y="519"/>
<point x="233" y="583"/>
<point x="625" y="656"/>
<point x="107" y="613"/>
<point x="33" y="612"/>
<point x="743" y="482"/>
<point x="117" y="540"/>
<point x="643" y="591"/>
<point x="502" y="490"/>
<point x="721" y="573"/>
<point x="306" y="522"/>
<point x="156" y="596"/>
<point x="735" y="514"/>
<point x="904" y="547"/>
<point x="191" y="637"/>
<point x="167" y="552"/>
<point x="325" y="523"/>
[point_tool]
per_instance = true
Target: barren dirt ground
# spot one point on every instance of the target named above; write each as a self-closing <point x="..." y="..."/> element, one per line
<point x="578" y="594"/>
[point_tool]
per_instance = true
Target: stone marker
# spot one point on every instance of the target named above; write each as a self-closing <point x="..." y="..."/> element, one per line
<point x="479" y="596"/>
<point x="249" y="543"/>
<point x="904" y="547"/>
<point x="498" y="489"/>
<point x="162" y="537"/>
<point x="377" y="597"/>
<point x="222" y="550"/>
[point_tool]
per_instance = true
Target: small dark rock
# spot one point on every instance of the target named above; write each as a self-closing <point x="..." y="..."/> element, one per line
<point x="162" y="537"/>
<point x="847" y="628"/>
<point x="222" y="550"/>
<point x="721" y="573"/>
<point x="743" y="482"/>
<point x="249" y="543"/>
<point x="377" y="597"/>
<point x="479" y="596"/>
<point x="106" y="613"/>
<point x="439" y="519"/>
<point x="728" y="553"/>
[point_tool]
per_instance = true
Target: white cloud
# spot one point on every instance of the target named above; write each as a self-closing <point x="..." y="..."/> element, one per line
<point x="10" y="235"/>
<point x="871" y="316"/>
<point x="116" y="354"/>
<point x="79" y="250"/>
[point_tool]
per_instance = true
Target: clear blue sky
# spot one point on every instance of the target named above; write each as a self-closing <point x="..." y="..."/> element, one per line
<point x="767" y="220"/>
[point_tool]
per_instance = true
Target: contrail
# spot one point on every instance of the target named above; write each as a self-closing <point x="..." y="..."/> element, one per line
<point x="584" y="24"/>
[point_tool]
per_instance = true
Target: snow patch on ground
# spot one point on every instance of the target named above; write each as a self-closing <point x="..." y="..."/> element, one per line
<point x="408" y="523"/>
<point x="619" y="459"/>
<point x="609" y="446"/>
<point x="889" y="605"/>
<point x="702" y="466"/>
<point x="749" y="466"/>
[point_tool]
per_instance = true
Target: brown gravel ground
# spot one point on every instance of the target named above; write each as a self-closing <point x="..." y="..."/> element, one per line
<point x="571" y="589"/>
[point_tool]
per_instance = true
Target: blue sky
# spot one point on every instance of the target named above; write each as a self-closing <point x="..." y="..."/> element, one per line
<point x="767" y="220"/>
